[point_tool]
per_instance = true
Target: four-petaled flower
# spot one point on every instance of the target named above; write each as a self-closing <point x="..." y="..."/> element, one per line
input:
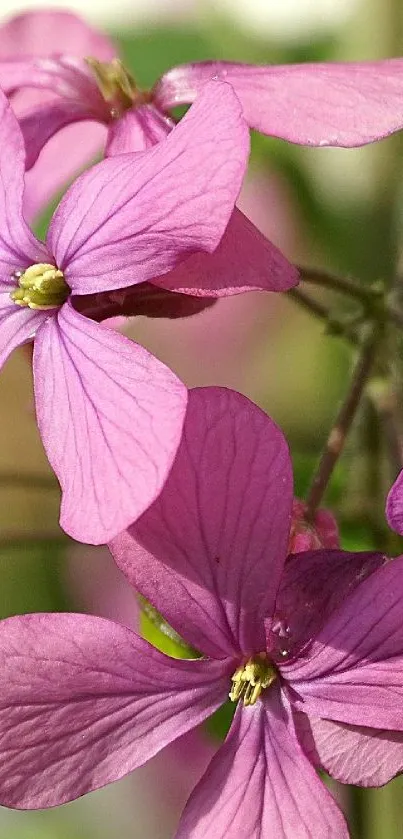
<point x="318" y="104"/>
<point x="311" y="650"/>
<point x="109" y="413"/>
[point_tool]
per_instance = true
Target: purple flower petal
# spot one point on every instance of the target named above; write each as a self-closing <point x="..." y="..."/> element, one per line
<point x="134" y="217"/>
<point x="394" y="505"/>
<point x="314" y="584"/>
<point x="209" y="552"/>
<point x="17" y="325"/>
<point x="368" y="757"/>
<point x="83" y="701"/>
<point x="18" y="247"/>
<point x="64" y="155"/>
<point x="260" y="784"/>
<point x="143" y="299"/>
<point x="69" y="78"/>
<point x="244" y="261"/>
<point x="137" y="129"/>
<point x="44" y="121"/>
<point x="39" y="32"/>
<point x="110" y="416"/>
<point x="311" y="104"/>
<point x="353" y="671"/>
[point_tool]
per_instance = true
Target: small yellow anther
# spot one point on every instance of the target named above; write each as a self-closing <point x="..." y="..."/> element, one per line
<point x="251" y="678"/>
<point x="41" y="286"/>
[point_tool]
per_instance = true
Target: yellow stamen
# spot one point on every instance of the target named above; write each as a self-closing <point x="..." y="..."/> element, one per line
<point x="117" y="85"/>
<point x="41" y="286"/>
<point x="251" y="678"/>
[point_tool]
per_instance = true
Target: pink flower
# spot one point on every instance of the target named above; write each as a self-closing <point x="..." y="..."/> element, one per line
<point x="309" y="649"/>
<point x="322" y="104"/>
<point x="109" y="413"/>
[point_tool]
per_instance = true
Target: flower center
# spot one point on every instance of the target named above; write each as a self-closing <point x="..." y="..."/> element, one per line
<point x="41" y="286"/>
<point x="251" y="678"/>
<point x="117" y="86"/>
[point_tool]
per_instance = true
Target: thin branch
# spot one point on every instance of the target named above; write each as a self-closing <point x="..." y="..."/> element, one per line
<point x="341" y="284"/>
<point x="338" y="434"/>
<point x="335" y="326"/>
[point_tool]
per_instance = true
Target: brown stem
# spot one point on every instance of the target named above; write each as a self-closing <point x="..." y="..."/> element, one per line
<point x="323" y="313"/>
<point x="338" y="434"/>
<point x="341" y="284"/>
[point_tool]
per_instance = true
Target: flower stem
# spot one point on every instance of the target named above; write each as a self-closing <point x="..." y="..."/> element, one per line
<point x="344" y="285"/>
<point x="338" y="434"/>
<point x="336" y="326"/>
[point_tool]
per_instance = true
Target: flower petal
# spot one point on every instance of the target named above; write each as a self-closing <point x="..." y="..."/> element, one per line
<point x="353" y="671"/>
<point x="243" y="261"/>
<point x="18" y="324"/>
<point x="367" y="757"/>
<point x="44" y="121"/>
<point x="344" y="104"/>
<point x="137" y="129"/>
<point x="38" y="32"/>
<point x="134" y="217"/>
<point x="110" y="417"/>
<point x="65" y="154"/>
<point x="260" y="784"/>
<point x="209" y="552"/>
<point x="144" y="299"/>
<point x="18" y="247"/>
<point x="314" y="584"/>
<point x="394" y="505"/>
<point x="83" y="701"/>
<point x="69" y="78"/>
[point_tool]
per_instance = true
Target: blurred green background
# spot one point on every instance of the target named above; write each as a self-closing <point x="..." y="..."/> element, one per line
<point x="337" y="209"/>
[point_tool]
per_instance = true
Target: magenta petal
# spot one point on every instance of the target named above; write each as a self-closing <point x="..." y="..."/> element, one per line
<point x="312" y="104"/>
<point x="137" y="129"/>
<point x="110" y="416"/>
<point x="353" y="671"/>
<point x="37" y="34"/>
<point x="64" y="155"/>
<point x="46" y="32"/>
<point x="83" y="701"/>
<point x="209" y="552"/>
<point x="17" y="325"/>
<point x="394" y="505"/>
<point x="134" y="217"/>
<point x="18" y="247"/>
<point x="44" y="121"/>
<point x="367" y="757"/>
<point x="260" y="784"/>
<point x="314" y="584"/>
<point x="244" y="261"/>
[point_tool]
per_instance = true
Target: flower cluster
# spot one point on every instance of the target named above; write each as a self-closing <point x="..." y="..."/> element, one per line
<point x="193" y="491"/>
